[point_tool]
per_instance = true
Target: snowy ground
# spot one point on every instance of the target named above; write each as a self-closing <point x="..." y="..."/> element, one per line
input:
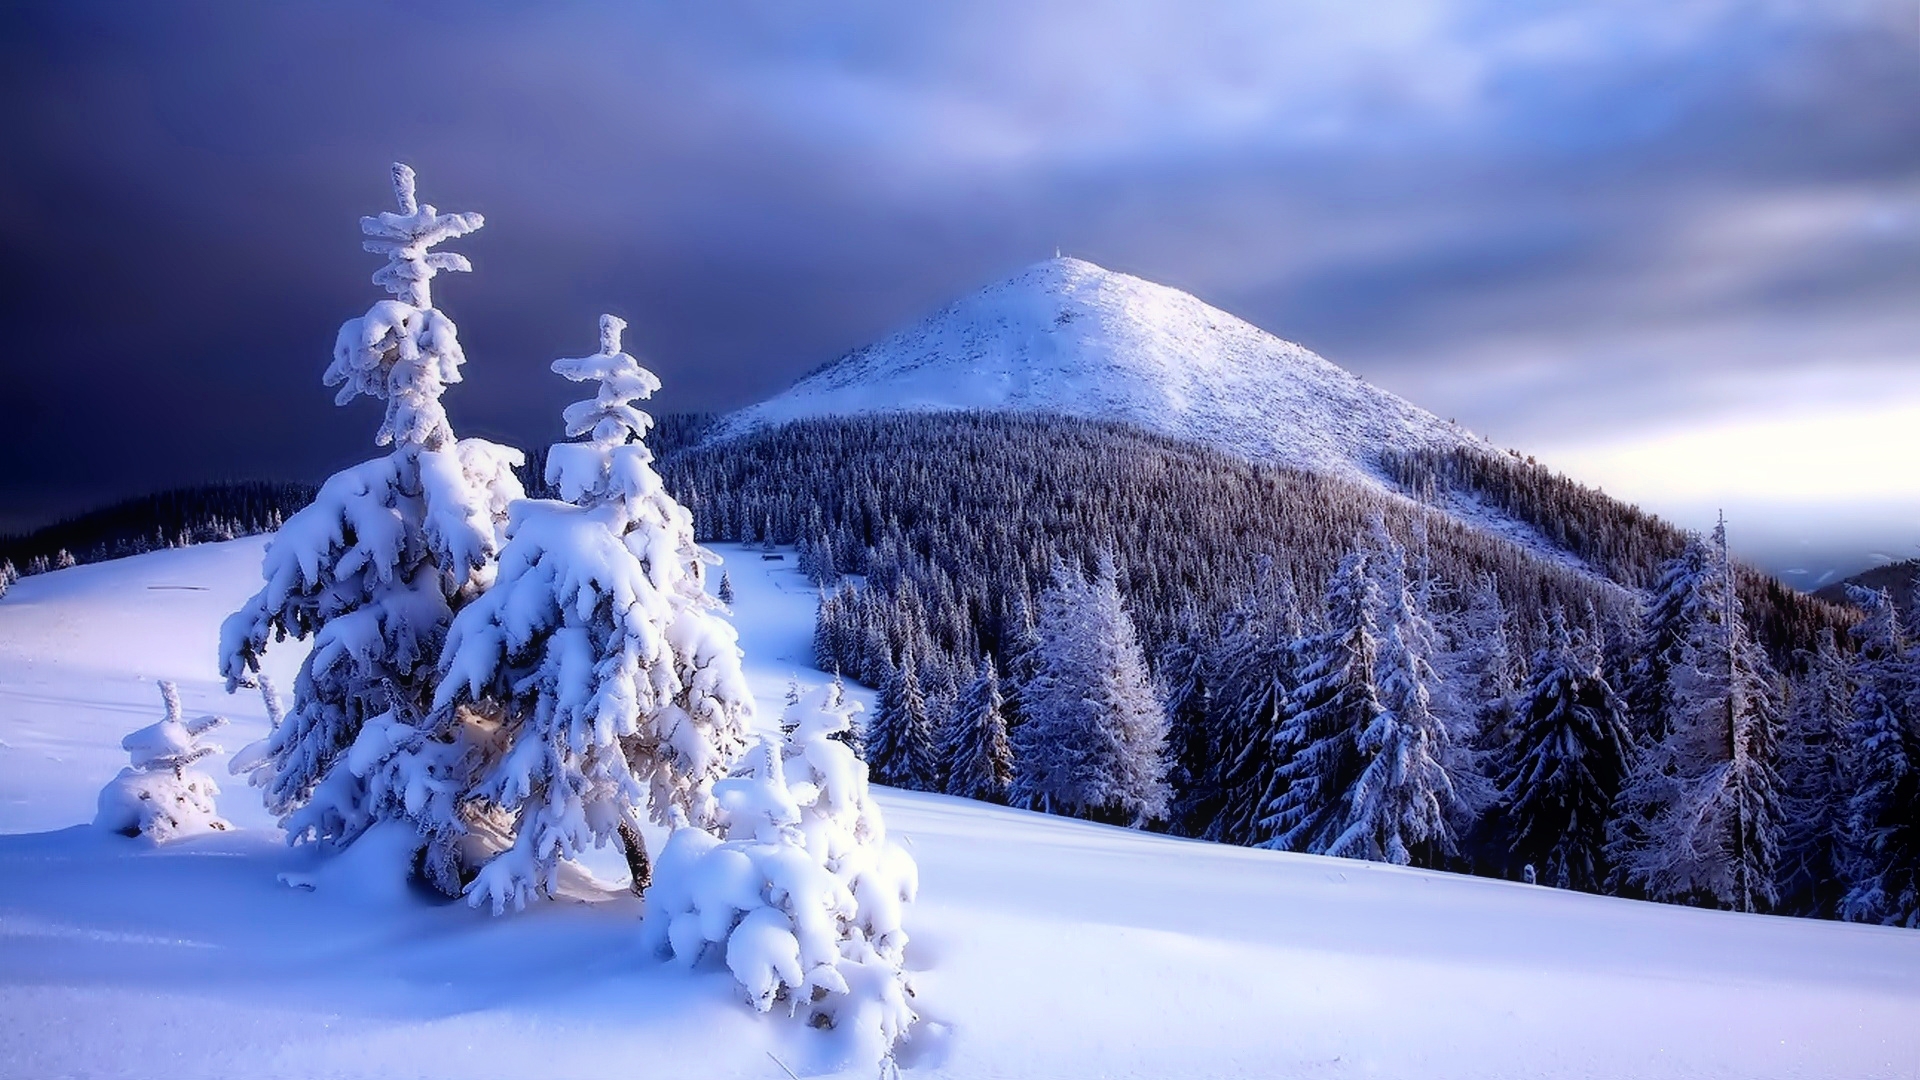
<point x="1045" y="948"/>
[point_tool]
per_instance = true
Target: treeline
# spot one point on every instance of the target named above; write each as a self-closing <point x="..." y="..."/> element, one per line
<point x="1621" y="541"/>
<point x="173" y="518"/>
<point x="959" y="518"/>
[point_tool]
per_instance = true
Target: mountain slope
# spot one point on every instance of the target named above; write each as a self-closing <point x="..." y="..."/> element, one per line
<point x="1066" y="336"/>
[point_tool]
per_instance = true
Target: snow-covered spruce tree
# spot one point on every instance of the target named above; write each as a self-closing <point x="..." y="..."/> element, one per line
<point x="160" y="795"/>
<point x="900" y="739"/>
<point x="1570" y="753"/>
<point x="1883" y="811"/>
<point x="979" y="760"/>
<point x="725" y="595"/>
<point x="1411" y="796"/>
<point x="1699" y="818"/>
<point x="613" y="679"/>
<point x="1094" y="740"/>
<point x="796" y="886"/>
<point x="1255" y="670"/>
<point x="1338" y="697"/>
<point x="8" y="575"/>
<point x="1816" y="779"/>
<point x="1672" y="607"/>
<point x="1481" y="661"/>
<point x="373" y="570"/>
<point x="1364" y="757"/>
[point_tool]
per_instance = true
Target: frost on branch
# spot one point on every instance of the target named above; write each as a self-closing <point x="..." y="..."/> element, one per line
<point x="160" y="795"/>
<point x="797" y="888"/>
<point x="372" y="571"/>
<point x="616" y="681"/>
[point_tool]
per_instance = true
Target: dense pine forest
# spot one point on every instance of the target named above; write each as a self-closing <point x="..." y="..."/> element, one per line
<point x="1263" y="656"/>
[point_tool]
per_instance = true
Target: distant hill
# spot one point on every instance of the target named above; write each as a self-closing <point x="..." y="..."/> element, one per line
<point x="1068" y="338"/>
<point x="1897" y="578"/>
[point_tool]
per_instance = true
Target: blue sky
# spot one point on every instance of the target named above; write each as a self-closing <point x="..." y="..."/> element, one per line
<point x="1672" y="248"/>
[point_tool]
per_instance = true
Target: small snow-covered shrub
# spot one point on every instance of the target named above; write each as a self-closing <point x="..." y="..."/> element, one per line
<point x="158" y="795"/>
<point x="797" y="889"/>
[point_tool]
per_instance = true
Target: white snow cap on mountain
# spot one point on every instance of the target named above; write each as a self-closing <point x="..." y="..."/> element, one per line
<point x="1066" y="336"/>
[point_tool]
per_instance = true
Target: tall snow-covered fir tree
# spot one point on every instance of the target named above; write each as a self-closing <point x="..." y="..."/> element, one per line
<point x="1338" y="697"/>
<point x="1367" y="763"/>
<point x="1672" y="607"/>
<point x="612" y="676"/>
<point x="1883" y="811"/>
<point x="1409" y="800"/>
<point x="1571" y="751"/>
<point x="1816" y="780"/>
<point x="900" y="743"/>
<point x="373" y="570"/>
<point x="1094" y="739"/>
<point x="1488" y="675"/>
<point x="979" y="762"/>
<point x="1253" y="669"/>
<point x="1699" y="818"/>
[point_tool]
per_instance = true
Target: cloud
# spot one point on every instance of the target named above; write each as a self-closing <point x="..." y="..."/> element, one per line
<point x="1543" y="219"/>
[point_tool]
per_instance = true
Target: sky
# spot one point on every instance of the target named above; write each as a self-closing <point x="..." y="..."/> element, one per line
<point x="1671" y="248"/>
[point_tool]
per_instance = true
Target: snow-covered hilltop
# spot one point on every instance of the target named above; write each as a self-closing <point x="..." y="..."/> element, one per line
<point x="1066" y="336"/>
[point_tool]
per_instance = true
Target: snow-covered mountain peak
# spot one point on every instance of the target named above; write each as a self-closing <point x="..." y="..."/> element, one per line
<point x="1067" y="336"/>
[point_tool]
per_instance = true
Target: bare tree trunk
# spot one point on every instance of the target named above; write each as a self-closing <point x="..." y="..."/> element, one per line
<point x="637" y="862"/>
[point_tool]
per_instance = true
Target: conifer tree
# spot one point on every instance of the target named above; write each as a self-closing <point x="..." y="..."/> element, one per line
<point x="1338" y="697"/>
<point x="1571" y="753"/>
<point x="1094" y="739"/>
<point x="160" y="795"/>
<point x="1672" y="608"/>
<point x="1483" y="662"/>
<point x="1412" y="793"/>
<point x="979" y="760"/>
<point x="1816" y="779"/>
<point x="613" y="679"/>
<point x="1699" y="818"/>
<point x="1256" y="669"/>
<point x="373" y="571"/>
<point x="796" y="886"/>
<point x="900" y="740"/>
<point x="1883" y="812"/>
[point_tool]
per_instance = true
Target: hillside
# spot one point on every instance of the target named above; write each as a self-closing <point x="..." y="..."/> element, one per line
<point x="1068" y="337"/>
<point x="1901" y="579"/>
<point x="1044" y="946"/>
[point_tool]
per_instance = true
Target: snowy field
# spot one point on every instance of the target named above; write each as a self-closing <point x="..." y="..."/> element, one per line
<point x="1042" y="947"/>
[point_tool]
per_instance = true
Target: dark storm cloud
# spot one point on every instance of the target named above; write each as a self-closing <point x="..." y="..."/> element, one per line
<point x="1549" y="207"/>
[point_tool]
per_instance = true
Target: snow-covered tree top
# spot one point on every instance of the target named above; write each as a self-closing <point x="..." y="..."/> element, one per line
<point x="406" y="239"/>
<point x="173" y="743"/>
<point x="402" y="351"/>
<point x="609" y="416"/>
<point x="612" y="463"/>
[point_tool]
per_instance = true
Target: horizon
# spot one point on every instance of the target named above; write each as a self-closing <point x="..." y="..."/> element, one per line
<point x="1613" y="239"/>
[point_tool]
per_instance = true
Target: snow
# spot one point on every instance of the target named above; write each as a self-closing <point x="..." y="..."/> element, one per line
<point x="1065" y="336"/>
<point x="1040" y="946"/>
